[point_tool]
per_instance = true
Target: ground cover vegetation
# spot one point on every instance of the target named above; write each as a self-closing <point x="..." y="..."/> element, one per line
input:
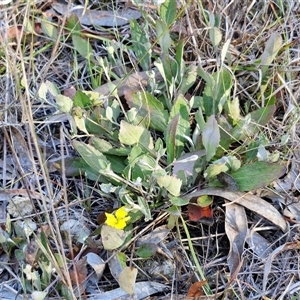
<point x="149" y="149"/>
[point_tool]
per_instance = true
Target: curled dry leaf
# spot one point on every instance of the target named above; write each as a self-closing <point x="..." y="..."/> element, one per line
<point x="247" y="200"/>
<point x="99" y="17"/>
<point x="195" y="289"/>
<point x="134" y="81"/>
<point x="236" y="230"/>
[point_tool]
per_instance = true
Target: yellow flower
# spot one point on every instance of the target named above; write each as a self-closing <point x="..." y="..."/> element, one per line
<point x="118" y="219"/>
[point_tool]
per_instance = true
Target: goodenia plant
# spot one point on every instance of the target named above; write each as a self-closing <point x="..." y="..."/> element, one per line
<point x="157" y="148"/>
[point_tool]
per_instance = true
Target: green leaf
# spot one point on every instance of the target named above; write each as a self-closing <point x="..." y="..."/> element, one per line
<point x="112" y="238"/>
<point x="150" y="111"/>
<point x="273" y="45"/>
<point x="38" y="295"/>
<point x="92" y="156"/>
<point x="256" y="175"/>
<point x="188" y="79"/>
<point x="64" y="103"/>
<point x="204" y="201"/>
<point x="52" y="88"/>
<point x="73" y="24"/>
<point x="177" y="201"/>
<point x="145" y="209"/>
<point x="76" y="166"/>
<point x="146" y="250"/>
<point x="215" y="36"/>
<point x="163" y="36"/>
<point x="178" y="129"/>
<point x="82" y="46"/>
<point x="118" y="163"/>
<point x="140" y="44"/>
<point x="82" y="100"/>
<point x="105" y="147"/>
<point x="211" y="137"/>
<point x="135" y="135"/>
<point x="251" y="124"/>
<point x="49" y="29"/>
<point x="170" y="137"/>
<point x="167" y="12"/>
<point x="170" y="183"/>
<point x="233" y="110"/>
<point x="217" y="92"/>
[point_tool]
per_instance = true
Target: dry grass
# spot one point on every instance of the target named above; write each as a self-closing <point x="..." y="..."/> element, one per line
<point x="35" y="135"/>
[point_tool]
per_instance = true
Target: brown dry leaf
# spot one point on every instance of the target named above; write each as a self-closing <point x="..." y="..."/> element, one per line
<point x="268" y="265"/>
<point x="195" y="289"/>
<point x="79" y="272"/>
<point x="236" y="231"/>
<point x="31" y="252"/>
<point x="18" y="31"/>
<point x="99" y="18"/>
<point x="70" y="92"/>
<point x="127" y="279"/>
<point x="21" y="149"/>
<point x="134" y="81"/>
<point x="247" y="200"/>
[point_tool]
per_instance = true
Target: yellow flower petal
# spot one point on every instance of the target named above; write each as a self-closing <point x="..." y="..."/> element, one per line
<point x="121" y="224"/>
<point x="121" y="212"/>
<point x="111" y="220"/>
<point x="118" y="220"/>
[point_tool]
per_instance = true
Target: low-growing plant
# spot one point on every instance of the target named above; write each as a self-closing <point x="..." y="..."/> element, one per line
<point x="149" y="146"/>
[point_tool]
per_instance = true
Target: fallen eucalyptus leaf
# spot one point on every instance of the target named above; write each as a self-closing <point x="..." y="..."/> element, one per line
<point x="236" y="227"/>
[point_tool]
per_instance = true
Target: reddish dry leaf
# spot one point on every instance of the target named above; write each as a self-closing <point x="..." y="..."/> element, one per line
<point x="79" y="272"/>
<point x="18" y="31"/>
<point x="70" y="92"/>
<point x="202" y="214"/>
<point x="74" y="251"/>
<point x="249" y="201"/>
<point x="195" y="289"/>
